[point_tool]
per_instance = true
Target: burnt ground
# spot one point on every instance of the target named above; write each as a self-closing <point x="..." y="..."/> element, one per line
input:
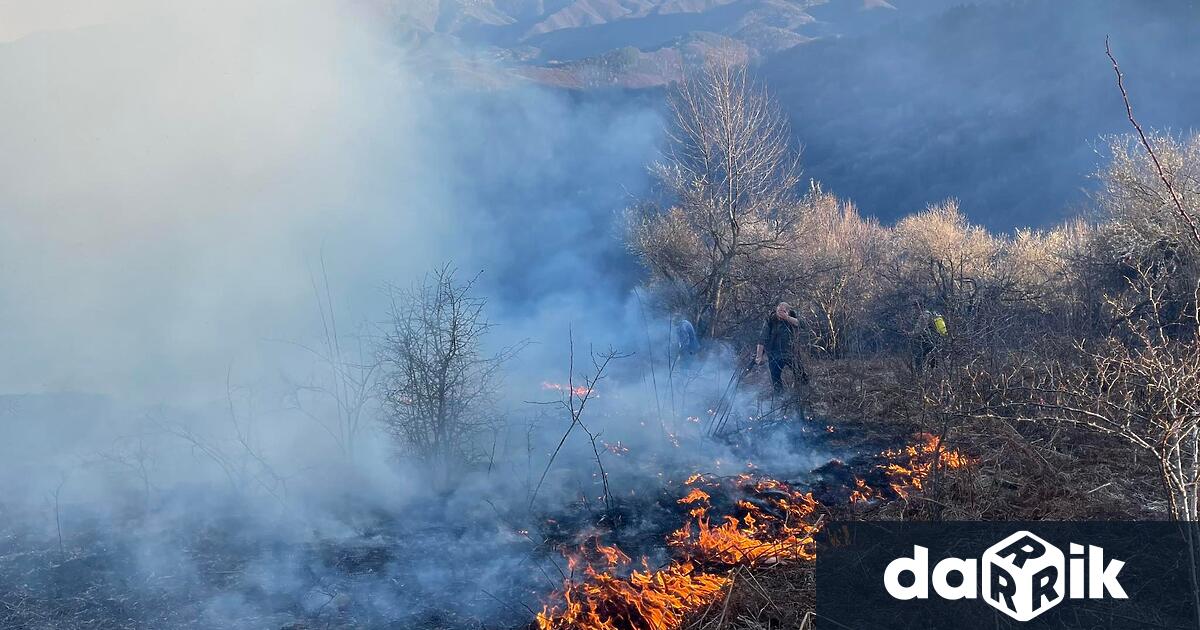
<point x="394" y="570"/>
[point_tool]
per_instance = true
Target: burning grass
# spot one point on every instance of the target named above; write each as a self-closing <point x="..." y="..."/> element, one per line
<point x="770" y="523"/>
<point x="731" y="525"/>
<point x="649" y="599"/>
<point x="907" y="470"/>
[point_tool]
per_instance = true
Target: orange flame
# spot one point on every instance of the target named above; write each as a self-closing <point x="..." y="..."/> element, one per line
<point x="862" y="492"/>
<point x="578" y="391"/>
<point x="650" y="599"/>
<point x="772" y="523"/>
<point x="910" y="467"/>
<point x="773" y="527"/>
<point x="694" y="495"/>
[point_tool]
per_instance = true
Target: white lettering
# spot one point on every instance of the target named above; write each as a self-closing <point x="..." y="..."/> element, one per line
<point x="968" y="571"/>
<point x="1102" y="577"/>
<point x="918" y="566"/>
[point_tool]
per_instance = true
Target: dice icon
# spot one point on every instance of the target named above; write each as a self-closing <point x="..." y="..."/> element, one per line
<point x="1023" y="576"/>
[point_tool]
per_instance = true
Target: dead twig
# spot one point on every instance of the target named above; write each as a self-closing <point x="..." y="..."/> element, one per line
<point x="1162" y="175"/>
<point x="575" y="403"/>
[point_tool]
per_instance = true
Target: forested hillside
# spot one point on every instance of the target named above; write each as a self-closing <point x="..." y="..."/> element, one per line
<point x="999" y="105"/>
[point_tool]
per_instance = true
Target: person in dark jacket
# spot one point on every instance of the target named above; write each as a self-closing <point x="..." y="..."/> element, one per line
<point x="777" y="345"/>
<point x="927" y="334"/>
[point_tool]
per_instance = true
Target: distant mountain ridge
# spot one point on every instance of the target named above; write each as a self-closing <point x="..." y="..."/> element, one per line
<point x="898" y="103"/>
<point x="631" y="43"/>
<point x="1001" y="105"/>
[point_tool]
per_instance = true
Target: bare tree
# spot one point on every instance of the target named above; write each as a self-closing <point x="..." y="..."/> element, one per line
<point x="1149" y="198"/>
<point x="439" y="386"/>
<point x="832" y="276"/>
<point x="240" y="456"/>
<point x="341" y="395"/>
<point x="1139" y="384"/>
<point x="731" y="174"/>
<point x="1170" y="179"/>
<point x="135" y="457"/>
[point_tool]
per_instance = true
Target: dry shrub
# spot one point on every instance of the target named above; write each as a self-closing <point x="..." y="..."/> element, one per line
<point x="1139" y="215"/>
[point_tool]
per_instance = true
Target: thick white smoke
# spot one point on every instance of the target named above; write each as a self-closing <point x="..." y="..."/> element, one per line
<point x="171" y="171"/>
<point x="175" y="178"/>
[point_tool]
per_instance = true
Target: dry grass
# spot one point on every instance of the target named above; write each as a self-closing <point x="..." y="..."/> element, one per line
<point x="763" y="598"/>
<point x="1023" y="472"/>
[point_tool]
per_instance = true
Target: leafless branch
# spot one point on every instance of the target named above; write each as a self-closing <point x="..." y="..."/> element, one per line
<point x="1162" y="175"/>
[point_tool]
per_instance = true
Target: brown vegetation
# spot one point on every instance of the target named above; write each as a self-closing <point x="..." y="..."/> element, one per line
<point x="1090" y="325"/>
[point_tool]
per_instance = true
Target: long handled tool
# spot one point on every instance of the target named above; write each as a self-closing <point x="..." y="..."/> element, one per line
<point x="725" y="403"/>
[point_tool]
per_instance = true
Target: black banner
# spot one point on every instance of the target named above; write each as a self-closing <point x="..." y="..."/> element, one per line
<point x="934" y="576"/>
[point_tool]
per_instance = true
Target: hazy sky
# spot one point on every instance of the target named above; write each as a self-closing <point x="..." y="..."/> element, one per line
<point x="170" y="175"/>
<point x="19" y="18"/>
<point x="173" y="172"/>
